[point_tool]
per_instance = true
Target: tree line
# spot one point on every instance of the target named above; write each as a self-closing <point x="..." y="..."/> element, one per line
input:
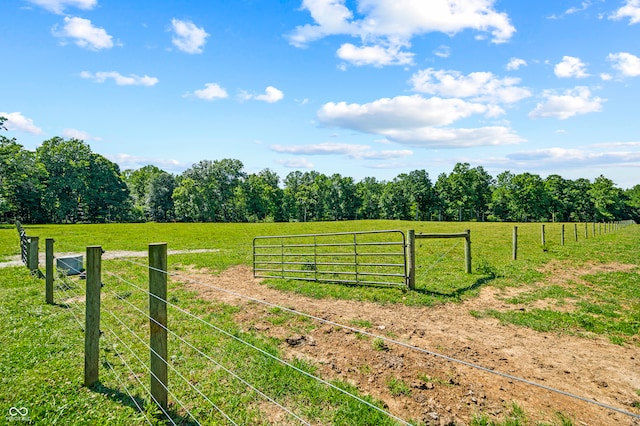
<point x="63" y="181"/>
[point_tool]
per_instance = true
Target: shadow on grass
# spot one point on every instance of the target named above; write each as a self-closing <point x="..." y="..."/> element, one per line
<point x="458" y="293"/>
<point x="136" y="402"/>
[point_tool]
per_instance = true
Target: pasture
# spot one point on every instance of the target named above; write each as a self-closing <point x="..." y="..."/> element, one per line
<point x="565" y="316"/>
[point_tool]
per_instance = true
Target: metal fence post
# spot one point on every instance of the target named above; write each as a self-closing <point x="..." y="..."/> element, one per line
<point x="92" y="315"/>
<point x="158" y="322"/>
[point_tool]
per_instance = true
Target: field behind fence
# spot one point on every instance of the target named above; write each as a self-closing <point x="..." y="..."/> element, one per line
<point x="215" y="372"/>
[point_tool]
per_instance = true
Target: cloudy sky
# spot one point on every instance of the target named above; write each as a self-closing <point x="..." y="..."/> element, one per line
<point x="356" y="87"/>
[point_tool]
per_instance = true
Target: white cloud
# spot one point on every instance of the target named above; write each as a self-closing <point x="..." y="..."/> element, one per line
<point x="626" y="63"/>
<point x="433" y="137"/>
<point x="387" y="26"/>
<point x="553" y="158"/>
<point x="188" y="37"/>
<point x="210" y="92"/>
<point x="79" y="134"/>
<point x="442" y="51"/>
<point x="296" y="163"/>
<point x="358" y="152"/>
<point x="58" y="6"/>
<point x="84" y="34"/>
<point x="271" y="95"/>
<point x="570" y="67"/>
<point x="127" y="161"/>
<point x="515" y="64"/>
<point x="17" y="121"/>
<point x="630" y="10"/>
<point x="415" y="120"/>
<point x="401" y="111"/>
<point x="374" y="55"/>
<point x="480" y="86"/>
<point x="572" y="102"/>
<point x="119" y="79"/>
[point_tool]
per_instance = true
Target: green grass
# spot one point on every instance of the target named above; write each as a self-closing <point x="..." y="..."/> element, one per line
<point x="398" y="387"/>
<point x="42" y="365"/>
<point x="607" y="306"/>
<point x="41" y="359"/>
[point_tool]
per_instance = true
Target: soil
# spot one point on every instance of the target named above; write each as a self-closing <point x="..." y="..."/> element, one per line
<point x="440" y="391"/>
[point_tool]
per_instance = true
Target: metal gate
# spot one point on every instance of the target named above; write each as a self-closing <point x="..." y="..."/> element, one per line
<point x="365" y="258"/>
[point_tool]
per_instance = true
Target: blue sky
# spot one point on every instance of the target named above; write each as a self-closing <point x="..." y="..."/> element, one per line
<point x="361" y="88"/>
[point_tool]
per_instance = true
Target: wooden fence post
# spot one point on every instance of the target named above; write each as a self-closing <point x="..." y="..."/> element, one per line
<point x="411" y="259"/>
<point x="33" y="254"/>
<point x="544" y="242"/>
<point x="562" y="235"/>
<point x="586" y="231"/>
<point x="158" y="323"/>
<point x="49" y="271"/>
<point x="515" y="243"/>
<point x="575" y="231"/>
<point x="467" y="251"/>
<point x="92" y="315"/>
<point x="594" y="228"/>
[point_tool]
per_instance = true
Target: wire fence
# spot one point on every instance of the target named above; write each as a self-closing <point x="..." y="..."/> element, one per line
<point x="214" y="368"/>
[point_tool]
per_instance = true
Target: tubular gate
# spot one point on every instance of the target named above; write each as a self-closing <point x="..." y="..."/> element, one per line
<point x="366" y="258"/>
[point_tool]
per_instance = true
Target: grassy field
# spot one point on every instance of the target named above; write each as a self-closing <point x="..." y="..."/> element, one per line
<point x="41" y="359"/>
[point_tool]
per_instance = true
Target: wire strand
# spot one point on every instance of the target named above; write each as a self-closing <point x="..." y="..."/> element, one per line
<point x="262" y="351"/>
<point x="117" y="376"/>
<point x="148" y="368"/>
<point x="172" y="367"/>
<point x="220" y="365"/>
<point x="133" y="373"/>
<point x="406" y="345"/>
<point x="415" y="348"/>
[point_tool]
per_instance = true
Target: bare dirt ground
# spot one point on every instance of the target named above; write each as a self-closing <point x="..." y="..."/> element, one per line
<point x="443" y="392"/>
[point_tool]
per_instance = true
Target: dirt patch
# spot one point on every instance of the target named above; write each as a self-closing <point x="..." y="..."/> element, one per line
<point x="439" y="391"/>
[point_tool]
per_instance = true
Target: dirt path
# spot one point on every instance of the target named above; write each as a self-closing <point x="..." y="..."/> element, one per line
<point x="444" y="392"/>
<point x="110" y="254"/>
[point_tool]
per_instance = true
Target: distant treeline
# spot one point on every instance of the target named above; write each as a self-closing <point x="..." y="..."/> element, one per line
<point x="63" y="181"/>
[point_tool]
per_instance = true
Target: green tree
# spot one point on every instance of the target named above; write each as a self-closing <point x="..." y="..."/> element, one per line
<point x="159" y="204"/>
<point x="263" y="196"/>
<point x="608" y="200"/>
<point x="396" y="200"/>
<point x="422" y="194"/>
<point x="206" y="192"/>
<point x="528" y="199"/>
<point x="633" y="203"/>
<point x="501" y="197"/>
<point x="21" y="187"/>
<point x="138" y="181"/>
<point x="106" y="194"/>
<point x="369" y="192"/>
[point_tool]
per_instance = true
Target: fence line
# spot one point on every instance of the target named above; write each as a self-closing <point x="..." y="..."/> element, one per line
<point x="411" y="347"/>
<point x="228" y="371"/>
<point x="230" y="335"/>
<point x="210" y="359"/>
<point x="150" y="370"/>
<point x="283" y="362"/>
